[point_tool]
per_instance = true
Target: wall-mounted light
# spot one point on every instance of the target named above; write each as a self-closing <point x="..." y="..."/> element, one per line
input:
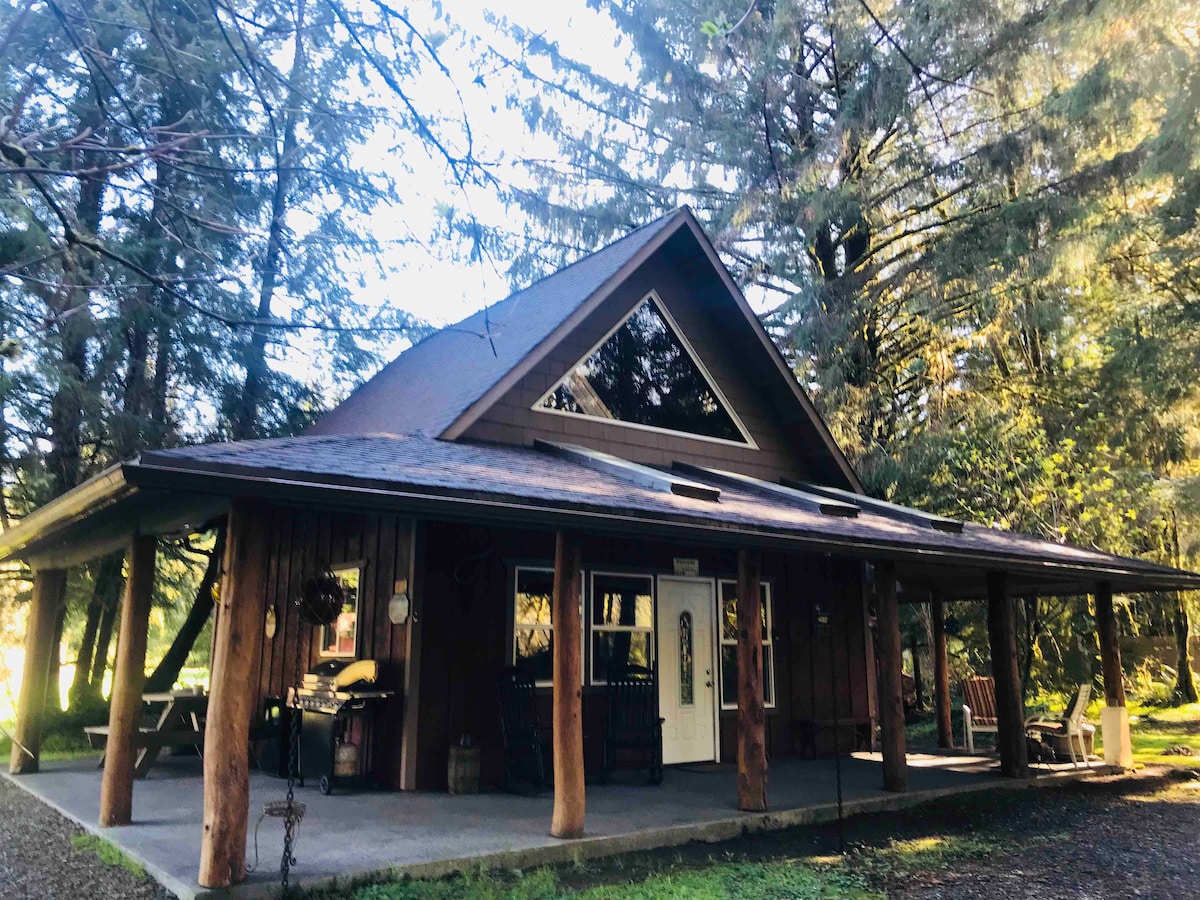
<point x="271" y="623"/>
<point x="400" y="605"/>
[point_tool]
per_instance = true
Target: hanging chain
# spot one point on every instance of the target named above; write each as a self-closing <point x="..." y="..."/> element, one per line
<point x="290" y="819"/>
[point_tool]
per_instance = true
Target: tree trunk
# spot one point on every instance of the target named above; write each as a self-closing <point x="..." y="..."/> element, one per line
<point x="108" y="577"/>
<point x="167" y="672"/>
<point x="1029" y="636"/>
<point x="246" y="412"/>
<point x="53" y="691"/>
<point x="1185" y="681"/>
<point x="108" y="621"/>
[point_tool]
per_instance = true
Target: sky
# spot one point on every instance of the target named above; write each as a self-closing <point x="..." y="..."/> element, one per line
<point x="444" y="290"/>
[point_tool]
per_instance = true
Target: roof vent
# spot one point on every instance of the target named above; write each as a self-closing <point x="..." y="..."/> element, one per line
<point x="648" y="477"/>
<point x="791" y="495"/>
<point x="882" y="507"/>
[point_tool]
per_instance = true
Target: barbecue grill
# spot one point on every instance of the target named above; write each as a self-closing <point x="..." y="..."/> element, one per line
<point x="329" y="698"/>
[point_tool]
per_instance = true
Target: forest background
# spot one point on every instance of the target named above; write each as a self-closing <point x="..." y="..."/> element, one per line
<point x="971" y="226"/>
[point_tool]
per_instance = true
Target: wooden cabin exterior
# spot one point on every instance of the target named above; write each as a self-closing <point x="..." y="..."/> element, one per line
<point x="616" y="464"/>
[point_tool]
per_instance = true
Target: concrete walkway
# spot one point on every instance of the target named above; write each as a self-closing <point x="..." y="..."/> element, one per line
<point x="356" y="834"/>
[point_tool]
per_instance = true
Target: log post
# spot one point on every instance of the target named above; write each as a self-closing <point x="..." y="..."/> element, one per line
<point x="751" y="708"/>
<point x="569" y="792"/>
<point x="49" y="590"/>
<point x="236" y="637"/>
<point x="1010" y="709"/>
<point x="1114" y="718"/>
<point x="129" y="674"/>
<point x="941" y="671"/>
<point x="891" y="681"/>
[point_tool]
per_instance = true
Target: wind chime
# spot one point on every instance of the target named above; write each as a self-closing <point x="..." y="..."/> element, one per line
<point x="320" y="600"/>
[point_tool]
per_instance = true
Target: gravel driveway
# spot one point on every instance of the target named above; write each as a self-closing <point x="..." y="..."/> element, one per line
<point x="38" y="860"/>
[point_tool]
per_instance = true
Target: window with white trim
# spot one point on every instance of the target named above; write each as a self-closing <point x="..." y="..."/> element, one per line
<point x="645" y="374"/>
<point x="622" y="623"/>
<point x="533" y="630"/>
<point x="729" y="667"/>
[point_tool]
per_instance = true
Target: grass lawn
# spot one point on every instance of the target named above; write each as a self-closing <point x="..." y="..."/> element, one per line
<point x="1155" y="729"/>
<point x="953" y="846"/>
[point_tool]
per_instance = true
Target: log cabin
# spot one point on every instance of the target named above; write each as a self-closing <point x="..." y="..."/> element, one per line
<point x="615" y="466"/>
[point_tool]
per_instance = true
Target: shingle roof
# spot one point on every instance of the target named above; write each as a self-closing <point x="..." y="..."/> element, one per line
<point x="408" y="463"/>
<point x="427" y="387"/>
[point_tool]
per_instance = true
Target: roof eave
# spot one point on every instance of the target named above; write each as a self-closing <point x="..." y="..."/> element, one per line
<point x="82" y="501"/>
<point x="285" y="485"/>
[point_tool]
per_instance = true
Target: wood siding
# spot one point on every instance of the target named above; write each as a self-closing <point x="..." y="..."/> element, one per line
<point x="731" y="354"/>
<point x="466" y="586"/>
<point x="302" y="543"/>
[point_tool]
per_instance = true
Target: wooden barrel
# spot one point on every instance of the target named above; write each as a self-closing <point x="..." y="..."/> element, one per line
<point x="462" y="772"/>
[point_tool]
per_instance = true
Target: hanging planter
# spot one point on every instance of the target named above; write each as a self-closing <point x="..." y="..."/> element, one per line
<point x="321" y="599"/>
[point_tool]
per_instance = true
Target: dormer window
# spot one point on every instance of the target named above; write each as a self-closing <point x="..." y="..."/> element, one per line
<point x="644" y="374"/>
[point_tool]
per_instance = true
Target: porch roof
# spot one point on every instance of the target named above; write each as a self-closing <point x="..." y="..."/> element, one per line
<point x="517" y="485"/>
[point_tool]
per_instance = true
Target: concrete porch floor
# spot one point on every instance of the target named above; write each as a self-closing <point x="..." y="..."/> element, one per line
<point x="425" y="834"/>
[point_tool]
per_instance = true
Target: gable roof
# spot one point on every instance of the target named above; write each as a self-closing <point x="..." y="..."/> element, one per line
<point x="442" y="385"/>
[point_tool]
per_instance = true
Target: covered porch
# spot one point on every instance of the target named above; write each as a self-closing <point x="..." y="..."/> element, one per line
<point x="447" y="529"/>
<point x="428" y="834"/>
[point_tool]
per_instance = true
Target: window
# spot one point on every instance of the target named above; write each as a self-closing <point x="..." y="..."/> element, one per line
<point x="341" y="638"/>
<point x="622" y="622"/>
<point x="533" y="632"/>
<point x="644" y="374"/>
<point x="729" y="673"/>
<point x="687" y="665"/>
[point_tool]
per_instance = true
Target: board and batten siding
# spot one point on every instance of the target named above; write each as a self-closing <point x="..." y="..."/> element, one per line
<point x="304" y="541"/>
<point x="466" y="583"/>
<point x="728" y="350"/>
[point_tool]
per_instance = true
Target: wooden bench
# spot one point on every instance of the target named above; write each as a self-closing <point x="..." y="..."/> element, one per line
<point x="805" y="732"/>
<point x="149" y="742"/>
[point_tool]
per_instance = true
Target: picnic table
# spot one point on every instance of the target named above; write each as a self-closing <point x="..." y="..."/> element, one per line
<point x="180" y="724"/>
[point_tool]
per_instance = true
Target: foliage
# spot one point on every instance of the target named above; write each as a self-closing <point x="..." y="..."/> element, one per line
<point x="185" y="198"/>
<point x="766" y="880"/>
<point x="972" y="225"/>
<point x="110" y="854"/>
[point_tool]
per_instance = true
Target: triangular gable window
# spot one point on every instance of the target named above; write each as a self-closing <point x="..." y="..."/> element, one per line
<point x="644" y="374"/>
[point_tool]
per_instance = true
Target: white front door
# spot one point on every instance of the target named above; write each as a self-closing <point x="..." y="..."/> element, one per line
<point x="686" y="697"/>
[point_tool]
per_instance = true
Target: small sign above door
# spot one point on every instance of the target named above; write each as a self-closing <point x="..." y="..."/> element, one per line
<point x="689" y="568"/>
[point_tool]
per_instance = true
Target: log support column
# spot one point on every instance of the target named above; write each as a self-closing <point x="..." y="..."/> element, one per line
<point x="1010" y="708"/>
<point x="1114" y="718"/>
<point x="751" y="708"/>
<point x="941" y="671"/>
<point x="891" y="682"/>
<point x="569" y="791"/>
<point x="239" y="626"/>
<point x="49" y="589"/>
<point x="129" y="674"/>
